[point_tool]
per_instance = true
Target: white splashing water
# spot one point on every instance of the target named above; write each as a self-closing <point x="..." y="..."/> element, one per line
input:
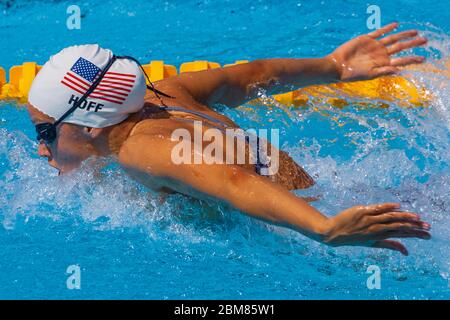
<point x="400" y="155"/>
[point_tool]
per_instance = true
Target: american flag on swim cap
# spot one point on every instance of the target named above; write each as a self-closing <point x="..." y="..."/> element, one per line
<point x="114" y="87"/>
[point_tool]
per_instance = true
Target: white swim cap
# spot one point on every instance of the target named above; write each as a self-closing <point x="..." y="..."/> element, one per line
<point x="67" y="76"/>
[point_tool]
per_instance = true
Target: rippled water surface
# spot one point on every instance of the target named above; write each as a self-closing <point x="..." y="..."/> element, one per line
<point x="131" y="243"/>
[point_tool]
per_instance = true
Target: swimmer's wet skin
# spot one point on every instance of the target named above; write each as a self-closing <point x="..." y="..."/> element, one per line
<point x="131" y="126"/>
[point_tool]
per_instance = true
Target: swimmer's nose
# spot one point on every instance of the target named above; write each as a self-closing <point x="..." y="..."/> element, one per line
<point x="44" y="151"/>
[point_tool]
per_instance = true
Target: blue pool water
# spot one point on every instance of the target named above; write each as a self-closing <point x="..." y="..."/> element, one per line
<point x="130" y="244"/>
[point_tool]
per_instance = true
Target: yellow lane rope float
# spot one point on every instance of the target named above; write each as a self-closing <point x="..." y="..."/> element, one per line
<point x="393" y="88"/>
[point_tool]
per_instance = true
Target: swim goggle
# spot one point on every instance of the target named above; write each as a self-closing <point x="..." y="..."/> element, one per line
<point x="46" y="131"/>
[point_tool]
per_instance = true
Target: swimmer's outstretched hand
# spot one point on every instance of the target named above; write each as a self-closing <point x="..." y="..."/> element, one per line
<point x="370" y="56"/>
<point x="372" y="225"/>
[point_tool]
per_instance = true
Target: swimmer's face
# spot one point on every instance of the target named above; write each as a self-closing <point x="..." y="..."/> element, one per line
<point x="73" y="143"/>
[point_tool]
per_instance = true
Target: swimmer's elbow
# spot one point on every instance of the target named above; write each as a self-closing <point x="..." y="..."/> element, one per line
<point x="239" y="186"/>
<point x="244" y="82"/>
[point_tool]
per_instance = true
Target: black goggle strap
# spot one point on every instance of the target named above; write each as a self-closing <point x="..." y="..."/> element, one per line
<point x="87" y="93"/>
<point x="150" y="87"/>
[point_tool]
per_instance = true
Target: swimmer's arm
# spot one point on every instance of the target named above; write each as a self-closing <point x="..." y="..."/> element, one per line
<point x="259" y="197"/>
<point x="238" y="84"/>
<point x="362" y="58"/>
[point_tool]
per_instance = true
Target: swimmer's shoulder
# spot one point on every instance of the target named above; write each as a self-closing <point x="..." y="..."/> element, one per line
<point x="141" y="163"/>
<point x="145" y="149"/>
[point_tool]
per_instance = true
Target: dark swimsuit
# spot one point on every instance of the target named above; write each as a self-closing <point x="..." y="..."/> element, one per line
<point x="258" y="164"/>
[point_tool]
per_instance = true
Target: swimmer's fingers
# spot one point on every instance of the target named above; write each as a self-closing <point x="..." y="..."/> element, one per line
<point x="384" y="71"/>
<point x="398" y="230"/>
<point x="405" y="61"/>
<point x="391" y="245"/>
<point x="400" y="46"/>
<point x="392" y="221"/>
<point x="373" y="224"/>
<point x="396" y="216"/>
<point x="377" y="208"/>
<point x="382" y="31"/>
<point x="398" y="36"/>
<point x="396" y="224"/>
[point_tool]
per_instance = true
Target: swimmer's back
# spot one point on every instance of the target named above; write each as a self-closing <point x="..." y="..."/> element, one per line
<point x="155" y="121"/>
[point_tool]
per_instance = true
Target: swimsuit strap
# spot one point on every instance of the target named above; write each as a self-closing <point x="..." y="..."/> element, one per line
<point x="197" y="113"/>
<point x="258" y="164"/>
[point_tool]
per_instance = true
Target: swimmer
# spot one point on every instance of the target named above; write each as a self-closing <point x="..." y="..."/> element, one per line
<point x="86" y="102"/>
